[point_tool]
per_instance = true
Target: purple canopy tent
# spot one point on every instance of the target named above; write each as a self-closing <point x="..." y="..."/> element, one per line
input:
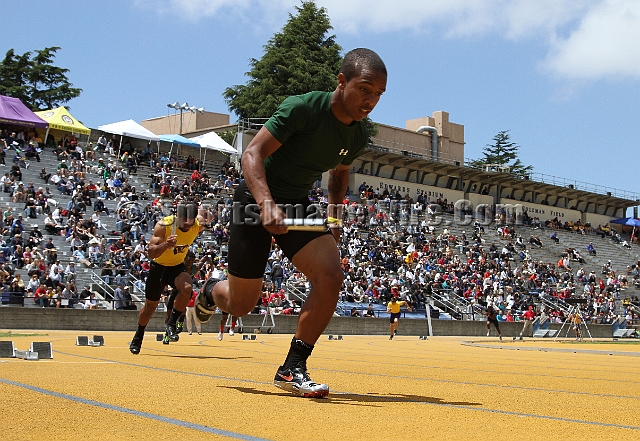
<point x="12" y="111"/>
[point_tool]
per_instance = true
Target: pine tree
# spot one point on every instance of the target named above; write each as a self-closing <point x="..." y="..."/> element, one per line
<point x="501" y="153"/>
<point x="299" y="59"/>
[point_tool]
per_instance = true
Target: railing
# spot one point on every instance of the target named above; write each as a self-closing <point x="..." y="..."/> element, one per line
<point x="412" y="151"/>
<point x="246" y="124"/>
<point x="550" y="302"/>
<point x="452" y="303"/>
<point x="572" y="184"/>
<point x="296" y="291"/>
<point x="106" y="288"/>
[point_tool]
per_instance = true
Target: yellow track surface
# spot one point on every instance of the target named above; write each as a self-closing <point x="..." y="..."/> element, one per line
<point x="404" y="389"/>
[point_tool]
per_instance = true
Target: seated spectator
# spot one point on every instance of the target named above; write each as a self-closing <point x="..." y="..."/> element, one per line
<point x="91" y="302"/>
<point x="370" y="312"/>
<point x="55" y="296"/>
<point x="40" y="296"/>
<point x="6" y="182"/>
<point x="591" y="249"/>
<point x="15" y="172"/>
<point x="30" y="208"/>
<point x="55" y="279"/>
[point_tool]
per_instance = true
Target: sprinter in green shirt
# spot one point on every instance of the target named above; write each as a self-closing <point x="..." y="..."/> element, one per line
<point x="308" y="135"/>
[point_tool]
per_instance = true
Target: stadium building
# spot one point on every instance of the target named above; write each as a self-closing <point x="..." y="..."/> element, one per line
<point x="427" y="157"/>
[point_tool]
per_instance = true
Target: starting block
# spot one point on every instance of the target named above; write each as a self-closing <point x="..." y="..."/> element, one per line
<point x="159" y="337"/>
<point x="27" y="355"/>
<point x="423" y="337"/>
<point x="43" y="348"/>
<point x="248" y="336"/>
<point x="98" y="340"/>
<point x="82" y="340"/>
<point x="7" y="350"/>
<point x="335" y="337"/>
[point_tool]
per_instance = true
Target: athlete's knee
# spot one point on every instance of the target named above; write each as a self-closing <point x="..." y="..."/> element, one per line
<point x="241" y="302"/>
<point x="241" y="306"/>
<point x="330" y="280"/>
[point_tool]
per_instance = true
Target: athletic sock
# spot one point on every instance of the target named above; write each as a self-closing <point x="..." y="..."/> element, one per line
<point x="140" y="331"/>
<point x="299" y="351"/>
<point x="173" y="319"/>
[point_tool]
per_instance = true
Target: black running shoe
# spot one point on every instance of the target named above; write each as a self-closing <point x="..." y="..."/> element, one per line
<point x="180" y="324"/>
<point x="165" y="339"/>
<point x="297" y="381"/>
<point x="172" y="332"/>
<point x="135" y="345"/>
<point x="395" y="332"/>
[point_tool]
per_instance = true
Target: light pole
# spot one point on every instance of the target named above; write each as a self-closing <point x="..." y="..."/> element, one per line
<point x="185" y="107"/>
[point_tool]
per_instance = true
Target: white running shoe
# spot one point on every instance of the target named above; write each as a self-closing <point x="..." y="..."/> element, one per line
<point x="231" y="332"/>
<point x="220" y="335"/>
<point x="488" y="333"/>
<point x="297" y="381"/>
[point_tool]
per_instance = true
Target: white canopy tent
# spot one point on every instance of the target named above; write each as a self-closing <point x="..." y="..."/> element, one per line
<point x="129" y="128"/>
<point x="212" y="141"/>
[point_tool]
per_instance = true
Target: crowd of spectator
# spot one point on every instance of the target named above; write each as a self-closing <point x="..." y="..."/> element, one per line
<point x="384" y="254"/>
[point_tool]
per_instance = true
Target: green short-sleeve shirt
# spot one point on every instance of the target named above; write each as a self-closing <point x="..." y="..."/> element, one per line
<point x="313" y="141"/>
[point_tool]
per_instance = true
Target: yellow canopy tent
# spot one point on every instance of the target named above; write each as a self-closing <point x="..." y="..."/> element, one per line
<point x="60" y="119"/>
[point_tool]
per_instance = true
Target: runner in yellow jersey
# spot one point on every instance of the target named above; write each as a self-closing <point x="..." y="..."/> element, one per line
<point x="576" y="321"/>
<point x="172" y="237"/>
<point x="393" y="309"/>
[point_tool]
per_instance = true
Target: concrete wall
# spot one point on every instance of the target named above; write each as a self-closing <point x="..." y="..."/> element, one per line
<point x="450" y="135"/>
<point x="191" y="122"/>
<point x="14" y="318"/>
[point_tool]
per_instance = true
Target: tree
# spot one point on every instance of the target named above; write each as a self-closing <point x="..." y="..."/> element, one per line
<point x="14" y="76"/>
<point x="228" y="135"/>
<point x="35" y="80"/>
<point x="501" y="153"/>
<point x="300" y="59"/>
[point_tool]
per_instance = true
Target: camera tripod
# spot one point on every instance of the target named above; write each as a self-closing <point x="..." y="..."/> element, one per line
<point x="575" y="319"/>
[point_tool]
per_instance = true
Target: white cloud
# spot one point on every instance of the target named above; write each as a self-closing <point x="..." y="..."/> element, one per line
<point x="606" y="44"/>
<point x="588" y="39"/>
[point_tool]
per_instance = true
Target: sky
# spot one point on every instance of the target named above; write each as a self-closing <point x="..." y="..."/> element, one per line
<point x="563" y="76"/>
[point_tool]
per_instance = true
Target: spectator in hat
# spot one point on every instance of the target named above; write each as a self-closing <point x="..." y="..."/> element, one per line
<point x="30" y="208"/>
<point x="19" y="193"/>
<point x="36" y="235"/>
<point x="70" y="272"/>
<point x="32" y="151"/>
<point x="55" y="278"/>
<point x="79" y="255"/>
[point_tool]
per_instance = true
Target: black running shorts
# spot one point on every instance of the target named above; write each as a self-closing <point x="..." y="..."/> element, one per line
<point x="250" y="243"/>
<point x="159" y="277"/>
